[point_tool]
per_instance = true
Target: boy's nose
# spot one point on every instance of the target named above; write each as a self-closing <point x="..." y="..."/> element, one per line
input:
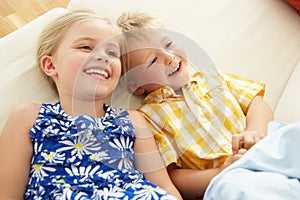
<point x="169" y="58"/>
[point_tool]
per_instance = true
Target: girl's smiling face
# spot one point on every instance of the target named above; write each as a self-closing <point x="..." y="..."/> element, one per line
<point x="86" y="64"/>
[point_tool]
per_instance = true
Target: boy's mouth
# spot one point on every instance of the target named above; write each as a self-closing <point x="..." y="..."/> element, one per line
<point x="175" y="70"/>
<point x="98" y="73"/>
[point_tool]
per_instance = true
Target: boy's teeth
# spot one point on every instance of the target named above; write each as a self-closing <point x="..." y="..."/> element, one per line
<point x="175" y="70"/>
<point x="97" y="72"/>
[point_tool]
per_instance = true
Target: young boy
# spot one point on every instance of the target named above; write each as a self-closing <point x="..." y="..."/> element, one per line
<point x="200" y="120"/>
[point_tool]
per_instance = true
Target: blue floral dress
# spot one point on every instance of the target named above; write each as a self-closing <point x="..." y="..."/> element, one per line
<point x="86" y="158"/>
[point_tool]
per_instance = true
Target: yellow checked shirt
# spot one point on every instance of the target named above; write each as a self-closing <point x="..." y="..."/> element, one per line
<point x="194" y="130"/>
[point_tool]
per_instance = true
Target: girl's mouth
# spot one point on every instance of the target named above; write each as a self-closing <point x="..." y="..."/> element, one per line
<point x="98" y="73"/>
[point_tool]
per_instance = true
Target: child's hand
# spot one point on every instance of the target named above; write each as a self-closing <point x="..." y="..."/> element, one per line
<point x="232" y="158"/>
<point x="245" y="140"/>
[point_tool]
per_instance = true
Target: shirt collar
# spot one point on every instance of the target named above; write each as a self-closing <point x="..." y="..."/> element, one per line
<point x="162" y="94"/>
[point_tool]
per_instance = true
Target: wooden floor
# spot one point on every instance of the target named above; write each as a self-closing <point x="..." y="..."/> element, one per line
<point x="17" y="13"/>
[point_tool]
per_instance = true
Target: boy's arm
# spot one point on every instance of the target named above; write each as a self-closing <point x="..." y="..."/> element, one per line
<point x="16" y="153"/>
<point x="147" y="157"/>
<point x="258" y="115"/>
<point x="192" y="183"/>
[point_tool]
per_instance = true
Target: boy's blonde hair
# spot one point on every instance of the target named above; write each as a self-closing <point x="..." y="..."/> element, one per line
<point x="52" y="35"/>
<point x="134" y="26"/>
<point x="129" y="21"/>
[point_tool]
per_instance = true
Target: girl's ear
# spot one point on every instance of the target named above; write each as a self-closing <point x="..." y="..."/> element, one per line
<point x="48" y="66"/>
<point x="133" y="89"/>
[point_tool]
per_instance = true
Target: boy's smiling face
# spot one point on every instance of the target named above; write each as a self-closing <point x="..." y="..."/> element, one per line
<point x="156" y="61"/>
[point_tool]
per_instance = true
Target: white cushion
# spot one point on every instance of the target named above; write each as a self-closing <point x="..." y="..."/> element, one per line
<point x="19" y="75"/>
<point x="288" y="108"/>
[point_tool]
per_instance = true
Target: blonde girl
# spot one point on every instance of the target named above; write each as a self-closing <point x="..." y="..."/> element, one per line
<point x="79" y="147"/>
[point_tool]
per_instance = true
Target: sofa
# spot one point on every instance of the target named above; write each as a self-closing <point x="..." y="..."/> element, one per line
<point x="251" y="38"/>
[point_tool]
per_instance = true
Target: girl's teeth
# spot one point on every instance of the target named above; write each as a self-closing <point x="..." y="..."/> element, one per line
<point x="97" y="72"/>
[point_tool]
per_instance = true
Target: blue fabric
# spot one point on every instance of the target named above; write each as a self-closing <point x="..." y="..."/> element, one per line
<point x="85" y="158"/>
<point x="269" y="170"/>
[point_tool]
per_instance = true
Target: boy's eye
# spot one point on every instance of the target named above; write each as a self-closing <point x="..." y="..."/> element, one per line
<point x="86" y="48"/>
<point x="169" y="44"/>
<point x="153" y="61"/>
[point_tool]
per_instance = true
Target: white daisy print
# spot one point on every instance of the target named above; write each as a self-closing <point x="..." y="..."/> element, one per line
<point x="102" y="155"/>
<point x="148" y="193"/>
<point x="41" y="171"/>
<point x="80" y="146"/>
<point x="109" y="193"/>
<point x="122" y="145"/>
<point x="53" y="157"/>
<point x="82" y="172"/>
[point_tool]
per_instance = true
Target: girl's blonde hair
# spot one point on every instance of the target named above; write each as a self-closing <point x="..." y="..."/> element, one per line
<point x="134" y="26"/>
<point x="52" y="35"/>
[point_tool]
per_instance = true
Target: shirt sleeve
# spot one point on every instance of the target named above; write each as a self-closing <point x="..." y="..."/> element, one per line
<point x="243" y="89"/>
<point x="164" y="144"/>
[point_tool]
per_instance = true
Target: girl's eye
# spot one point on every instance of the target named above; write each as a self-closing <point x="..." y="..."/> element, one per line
<point x="88" y="48"/>
<point x="113" y="54"/>
<point x="153" y="61"/>
<point x="169" y="44"/>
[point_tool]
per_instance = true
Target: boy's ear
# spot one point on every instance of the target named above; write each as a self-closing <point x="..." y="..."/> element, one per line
<point x="134" y="89"/>
<point x="48" y="66"/>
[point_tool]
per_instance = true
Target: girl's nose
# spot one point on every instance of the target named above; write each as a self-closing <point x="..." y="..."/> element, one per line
<point x="101" y="58"/>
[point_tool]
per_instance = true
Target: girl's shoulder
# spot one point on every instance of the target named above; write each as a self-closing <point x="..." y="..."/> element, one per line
<point x="136" y="116"/>
<point x="27" y="108"/>
<point x="21" y="119"/>
<point x="25" y="112"/>
<point x="140" y="124"/>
